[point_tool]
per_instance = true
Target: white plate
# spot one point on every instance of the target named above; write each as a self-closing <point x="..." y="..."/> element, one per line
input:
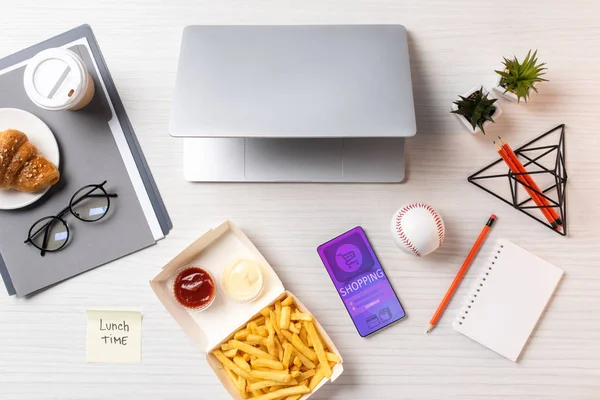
<point x="41" y="137"/>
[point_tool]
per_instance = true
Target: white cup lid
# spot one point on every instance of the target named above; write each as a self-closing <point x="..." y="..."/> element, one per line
<point x="55" y="79"/>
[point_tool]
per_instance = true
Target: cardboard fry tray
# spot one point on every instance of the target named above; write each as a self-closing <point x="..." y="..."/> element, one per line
<point x="213" y="251"/>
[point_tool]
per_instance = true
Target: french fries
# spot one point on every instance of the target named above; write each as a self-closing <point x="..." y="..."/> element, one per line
<point x="277" y="376"/>
<point x="304" y="336"/>
<point x="241" y="384"/>
<point x="275" y="324"/>
<point x="304" y="349"/>
<point x="241" y="334"/>
<point x="287" y="302"/>
<point x="230" y="353"/>
<point x="228" y="364"/>
<point x="278" y="355"/>
<point x="287" y="355"/>
<point x="262" y="363"/>
<point x="297" y="361"/>
<point x="319" y="349"/>
<point x="279" y="349"/>
<point x="333" y="357"/>
<point x="240" y="362"/>
<point x="304" y="382"/>
<point x="256" y="340"/>
<point x="306" y="375"/>
<point x="316" y="379"/>
<point x="262" y="331"/>
<point x="282" y="393"/>
<point x="271" y="349"/>
<point x="298" y="316"/>
<point x="269" y="325"/>
<point x="285" y="319"/>
<point x="256" y="386"/>
<point x="293" y="329"/>
<point x="246" y="348"/>
<point x="233" y="378"/>
<point x="278" y="311"/>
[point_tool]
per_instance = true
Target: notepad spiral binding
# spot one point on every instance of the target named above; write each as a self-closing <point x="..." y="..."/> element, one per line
<point x="479" y="284"/>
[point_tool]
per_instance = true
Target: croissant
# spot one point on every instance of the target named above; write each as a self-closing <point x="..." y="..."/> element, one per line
<point x="22" y="167"/>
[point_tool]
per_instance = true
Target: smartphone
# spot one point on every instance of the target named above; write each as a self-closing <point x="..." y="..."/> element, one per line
<point x="361" y="282"/>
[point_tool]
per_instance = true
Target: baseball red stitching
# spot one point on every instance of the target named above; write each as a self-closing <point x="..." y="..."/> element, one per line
<point x="436" y="217"/>
<point x="401" y="234"/>
<point x="438" y="223"/>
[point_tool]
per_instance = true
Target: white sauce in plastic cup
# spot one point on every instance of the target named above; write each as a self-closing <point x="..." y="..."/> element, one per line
<point x="57" y="80"/>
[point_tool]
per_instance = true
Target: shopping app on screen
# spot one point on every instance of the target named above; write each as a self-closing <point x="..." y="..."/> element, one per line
<point x="361" y="281"/>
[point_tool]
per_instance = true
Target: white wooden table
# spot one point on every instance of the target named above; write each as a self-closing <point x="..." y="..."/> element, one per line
<point x="454" y="45"/>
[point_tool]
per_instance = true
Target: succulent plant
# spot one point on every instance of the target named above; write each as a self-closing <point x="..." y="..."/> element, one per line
<point x="519" y="78"/>
<point x="476" y="108"/>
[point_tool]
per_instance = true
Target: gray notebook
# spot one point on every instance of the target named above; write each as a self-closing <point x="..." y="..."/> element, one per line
<point x="96" y="144"/>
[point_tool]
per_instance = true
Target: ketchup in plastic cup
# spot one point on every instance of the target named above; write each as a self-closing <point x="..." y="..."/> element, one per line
<point x="194" y="288"/>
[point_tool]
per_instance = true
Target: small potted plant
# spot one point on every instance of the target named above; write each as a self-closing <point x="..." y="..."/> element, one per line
<point x="517" y="80"/>
<point x="475" y="110"/>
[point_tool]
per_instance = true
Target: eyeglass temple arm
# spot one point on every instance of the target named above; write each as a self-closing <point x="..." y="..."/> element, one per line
<point x="46" y="238"/>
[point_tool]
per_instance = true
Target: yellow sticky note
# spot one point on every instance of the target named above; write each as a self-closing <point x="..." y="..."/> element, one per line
<point x="114" y="336"/>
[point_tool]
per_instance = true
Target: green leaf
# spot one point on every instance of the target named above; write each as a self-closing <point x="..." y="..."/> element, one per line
<point x="520" y="77"/>
<point x="476" y="110"/>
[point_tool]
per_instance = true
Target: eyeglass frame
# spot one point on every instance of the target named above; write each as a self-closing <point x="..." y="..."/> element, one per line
<point x="64" y="211"/>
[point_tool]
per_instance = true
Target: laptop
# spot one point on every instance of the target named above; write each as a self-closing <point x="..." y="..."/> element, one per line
<point x="318" y="103"/>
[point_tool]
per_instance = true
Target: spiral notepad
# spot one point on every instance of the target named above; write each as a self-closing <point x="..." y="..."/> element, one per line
<point x="508" y="299"/>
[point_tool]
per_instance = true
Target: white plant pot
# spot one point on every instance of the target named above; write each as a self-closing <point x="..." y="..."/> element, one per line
<point x="499" y="90"/>
<point x="466" y="123"/>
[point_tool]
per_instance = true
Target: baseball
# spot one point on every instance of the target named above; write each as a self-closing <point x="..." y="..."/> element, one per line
<point x="418" y="229"/>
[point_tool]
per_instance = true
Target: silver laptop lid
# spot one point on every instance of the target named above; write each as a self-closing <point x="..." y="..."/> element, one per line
<point x="293" y="81"/>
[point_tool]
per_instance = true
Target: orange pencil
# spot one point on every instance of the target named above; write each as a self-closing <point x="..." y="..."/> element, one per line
<point x="531" y="182"/>
<point x="461" y="273"/>
<point x="521" y="178"/>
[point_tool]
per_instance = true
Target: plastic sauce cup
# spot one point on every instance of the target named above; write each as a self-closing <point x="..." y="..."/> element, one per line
<point x="194" y="288"/>
<point x="56" y="80"/>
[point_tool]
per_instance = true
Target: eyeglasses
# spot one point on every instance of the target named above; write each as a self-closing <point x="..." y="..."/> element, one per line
<point x="89" y="204"/>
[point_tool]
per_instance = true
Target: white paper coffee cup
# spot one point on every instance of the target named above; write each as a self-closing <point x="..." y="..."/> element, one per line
<point x="57" y="79"/>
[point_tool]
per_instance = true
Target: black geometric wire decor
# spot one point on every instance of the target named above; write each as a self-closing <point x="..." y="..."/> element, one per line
<point x="534" y="156"/>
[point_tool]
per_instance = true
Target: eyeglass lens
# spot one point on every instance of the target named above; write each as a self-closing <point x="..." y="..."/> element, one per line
<point x="52" y="234"/>
<point x="90" y="204"/>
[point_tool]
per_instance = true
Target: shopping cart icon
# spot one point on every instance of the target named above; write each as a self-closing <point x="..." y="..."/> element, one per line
<point x="349" y="258"/>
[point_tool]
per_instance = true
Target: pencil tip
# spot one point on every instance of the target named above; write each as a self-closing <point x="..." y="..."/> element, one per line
<point x="427" y="332"/>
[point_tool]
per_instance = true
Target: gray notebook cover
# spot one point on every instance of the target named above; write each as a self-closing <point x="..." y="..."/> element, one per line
<point x="89" y="155"/>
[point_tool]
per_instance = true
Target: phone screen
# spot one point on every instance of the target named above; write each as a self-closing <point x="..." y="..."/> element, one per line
<point x="361" y="282"/>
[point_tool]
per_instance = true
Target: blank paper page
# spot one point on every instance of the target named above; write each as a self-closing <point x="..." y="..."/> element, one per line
<point x="508" y="299"/>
